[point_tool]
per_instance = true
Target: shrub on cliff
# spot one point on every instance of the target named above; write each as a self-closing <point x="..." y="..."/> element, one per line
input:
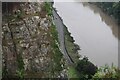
<point x="107" y="72"/>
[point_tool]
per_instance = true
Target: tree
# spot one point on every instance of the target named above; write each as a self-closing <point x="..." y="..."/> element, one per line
<point x="86" y="68"/>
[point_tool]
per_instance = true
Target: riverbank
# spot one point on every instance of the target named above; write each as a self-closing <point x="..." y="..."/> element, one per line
<point x="71" y="47"/>
<point x="112" y="9"/>
<point x="67" y="46"/>
<point x="60" y="28"/>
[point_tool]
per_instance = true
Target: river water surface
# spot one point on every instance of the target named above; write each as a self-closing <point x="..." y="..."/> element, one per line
<point x="94" y="31"/>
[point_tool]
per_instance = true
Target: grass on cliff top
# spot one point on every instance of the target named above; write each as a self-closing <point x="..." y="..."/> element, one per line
<point x="48" y="8"/>
<point x="72" y="73"/>
<point x="57" y="55"/>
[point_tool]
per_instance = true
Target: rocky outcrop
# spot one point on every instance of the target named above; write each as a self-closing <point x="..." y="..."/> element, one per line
<point x="26" y="33"/>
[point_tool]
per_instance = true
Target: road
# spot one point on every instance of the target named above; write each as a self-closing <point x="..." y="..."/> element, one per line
<point x="60" y="28"/>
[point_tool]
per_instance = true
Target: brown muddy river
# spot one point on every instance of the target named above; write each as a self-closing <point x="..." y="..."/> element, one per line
<point x="94" y="31"/>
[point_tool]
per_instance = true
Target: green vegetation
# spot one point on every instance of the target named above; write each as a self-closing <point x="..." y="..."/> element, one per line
<point x="108" y="72"/>
<point x="20" y="73"/>
<point x="54" y="33"/>
<point x="57" y="55"/>
<point x="85" y="68"/>
<point x="48" y="8"/>
<point x="72" y="73"/>
<point x="112" y="8"/>
<point x="20" y="64"/>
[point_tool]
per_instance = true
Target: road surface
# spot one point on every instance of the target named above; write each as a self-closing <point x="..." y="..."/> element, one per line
<point x="60" y="28"/>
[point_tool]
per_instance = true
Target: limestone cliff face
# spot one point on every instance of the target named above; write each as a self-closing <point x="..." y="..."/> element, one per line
<point x="27" y="40"/>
